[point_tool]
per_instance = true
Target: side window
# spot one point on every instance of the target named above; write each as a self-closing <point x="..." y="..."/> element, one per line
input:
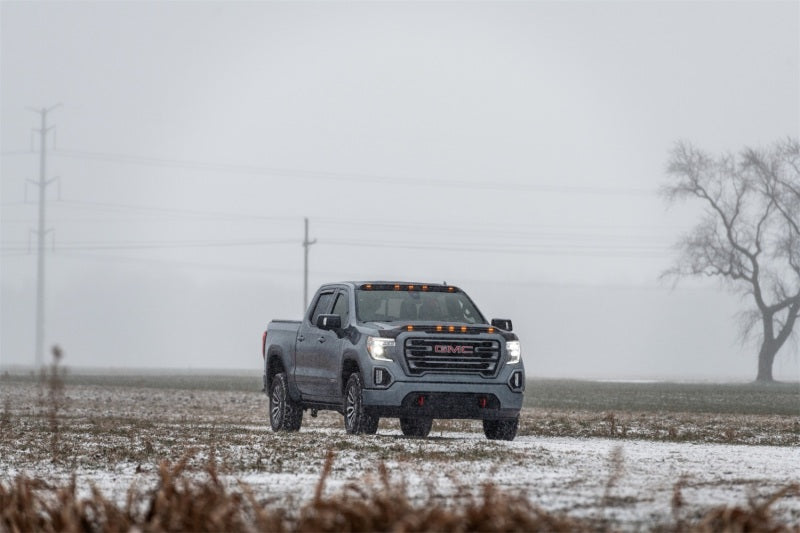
<point x="323" y="304"/>
<point x="341" y="308"/>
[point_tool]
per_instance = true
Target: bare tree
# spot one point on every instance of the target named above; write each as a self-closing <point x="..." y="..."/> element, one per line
<point x="748" y="234"/>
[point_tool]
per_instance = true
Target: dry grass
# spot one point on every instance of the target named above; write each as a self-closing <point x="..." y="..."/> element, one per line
<point x="384" y="505"/>
<point x="770" y="430"/>
<point x="182" y="501"/>
<point x="55" y="400"/>
<point x="756" y="516"/>
<point x="179" y="503"/>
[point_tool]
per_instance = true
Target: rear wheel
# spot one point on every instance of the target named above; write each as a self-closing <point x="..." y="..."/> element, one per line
<point x="285" y="414"/>
<point x="416" y="427"/>
<point x="356" y="419"/>
<point x="504" y="429"/>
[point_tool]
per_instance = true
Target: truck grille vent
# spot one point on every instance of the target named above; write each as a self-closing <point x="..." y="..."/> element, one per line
<point x="452" y="356"/>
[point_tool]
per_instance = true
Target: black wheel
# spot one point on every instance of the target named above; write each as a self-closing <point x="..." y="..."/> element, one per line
<point x="285" y="414"/>
<point x="356" y="420"/>
<point x="504" y="429"/>
<point x="416" y="427"/>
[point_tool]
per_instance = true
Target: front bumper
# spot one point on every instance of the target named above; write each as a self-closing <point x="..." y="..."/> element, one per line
<point x="444" y="400"/>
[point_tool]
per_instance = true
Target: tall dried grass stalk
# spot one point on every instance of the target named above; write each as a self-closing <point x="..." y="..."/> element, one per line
<point x="184" y="501"/>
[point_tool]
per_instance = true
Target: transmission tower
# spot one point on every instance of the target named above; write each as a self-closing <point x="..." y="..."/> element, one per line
<point x="43" y="183"/>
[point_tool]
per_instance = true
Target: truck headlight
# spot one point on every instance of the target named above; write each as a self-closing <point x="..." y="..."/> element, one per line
<point x="514" y="352"/>
<point x="376" y="346"/>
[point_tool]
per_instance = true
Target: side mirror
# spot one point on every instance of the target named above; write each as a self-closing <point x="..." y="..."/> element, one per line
<point x="329" y="322"/>
<point x="502" y="323"/>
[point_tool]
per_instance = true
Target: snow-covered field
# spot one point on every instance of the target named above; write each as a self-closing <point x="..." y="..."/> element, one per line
<point x="113" y="437"/>
<point x="628" y="482"/>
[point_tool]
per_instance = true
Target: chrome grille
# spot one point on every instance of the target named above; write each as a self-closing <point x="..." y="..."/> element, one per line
<point x="452" y="356"/>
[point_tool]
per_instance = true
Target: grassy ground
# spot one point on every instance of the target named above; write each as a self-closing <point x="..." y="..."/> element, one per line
<point x="120" y="405"/>
<point x="740" y="398"/>
<point x="112" y="429"/>
<point x="679" y="412"/>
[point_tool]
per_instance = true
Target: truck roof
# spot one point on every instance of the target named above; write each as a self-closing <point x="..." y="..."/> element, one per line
<point x="389" y="282"/>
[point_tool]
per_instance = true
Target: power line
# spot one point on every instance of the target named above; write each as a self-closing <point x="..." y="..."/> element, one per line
<point x="500" y="230"/>
<point x="350" y="275"/>
<point x="153" y="245"/>
<point x="494" y="185"/>
<point x="165" y="262"/>
<point x="498" y="233"/>
<point x="450" y="245"/>
<point x="174" y="211"/>
<point x="599" y="286"/>
<point x="499" y="226"/>
<point x="515" y="250"/>
<point x="562" y="247"/>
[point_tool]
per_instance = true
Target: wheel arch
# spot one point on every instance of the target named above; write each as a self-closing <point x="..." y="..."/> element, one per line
<point x="274" y="365"/>
<point x="349" y="366"/>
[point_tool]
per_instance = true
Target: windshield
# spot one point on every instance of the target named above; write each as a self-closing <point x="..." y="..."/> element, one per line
<point x="393" y="305"/>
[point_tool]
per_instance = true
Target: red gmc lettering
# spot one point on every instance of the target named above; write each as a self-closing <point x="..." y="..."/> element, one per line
<point x="443" y="348"/>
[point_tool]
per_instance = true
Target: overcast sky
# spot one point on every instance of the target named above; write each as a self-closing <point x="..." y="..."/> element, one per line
<point x="513" y="149"/>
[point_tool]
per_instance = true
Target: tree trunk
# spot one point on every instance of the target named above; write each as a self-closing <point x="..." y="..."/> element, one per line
<point x="766" y="356"/>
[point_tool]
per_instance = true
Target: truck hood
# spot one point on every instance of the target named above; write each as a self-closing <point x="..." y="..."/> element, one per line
<point x="392" y="329"/>
<point x="399" y="324"/>
<point x="383" y="326"/>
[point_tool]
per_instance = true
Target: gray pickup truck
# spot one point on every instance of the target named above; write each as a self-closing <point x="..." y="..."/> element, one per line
<point x="415" y="351"/>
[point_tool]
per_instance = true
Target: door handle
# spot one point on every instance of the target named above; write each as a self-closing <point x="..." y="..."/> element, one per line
<point x="321" y="340"/>
<point x="300" y="338"/>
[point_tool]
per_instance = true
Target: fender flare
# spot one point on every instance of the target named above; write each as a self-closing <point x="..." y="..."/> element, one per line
<point x="273" y="352"/>
<point x="350" y="358"/>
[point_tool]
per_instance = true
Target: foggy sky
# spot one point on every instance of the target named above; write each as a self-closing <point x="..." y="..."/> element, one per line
<point x="513" y="149"/>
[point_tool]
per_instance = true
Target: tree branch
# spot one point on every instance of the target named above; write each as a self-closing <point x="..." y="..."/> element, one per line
<point x="749" y="233"/>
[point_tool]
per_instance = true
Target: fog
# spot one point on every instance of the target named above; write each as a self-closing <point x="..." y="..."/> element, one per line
<point x="512" y="149"/>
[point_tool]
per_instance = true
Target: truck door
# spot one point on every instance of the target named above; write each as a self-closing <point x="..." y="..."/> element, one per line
<point x="308" y="374"/>
<point x="331" y="345"/>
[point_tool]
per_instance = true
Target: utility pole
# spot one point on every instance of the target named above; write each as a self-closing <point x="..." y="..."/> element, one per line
<point x="306" y="244"/>
<point x="42" y="232"/>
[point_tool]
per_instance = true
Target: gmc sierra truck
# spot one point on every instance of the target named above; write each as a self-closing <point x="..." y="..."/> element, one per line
<point x="413" y="351"/>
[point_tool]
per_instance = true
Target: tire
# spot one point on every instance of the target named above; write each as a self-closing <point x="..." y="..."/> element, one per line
<point x="416" y="427"/>
<point x="285" y="414"/>
<point x="356" y="419"/>
<point x="504" y="429"/>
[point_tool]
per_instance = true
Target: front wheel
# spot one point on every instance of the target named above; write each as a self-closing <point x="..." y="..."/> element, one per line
<point x="416" y="427"/>
<point x="356" y="419"/>
<point x="504" y="429"/>
<point x="285" y="414"/>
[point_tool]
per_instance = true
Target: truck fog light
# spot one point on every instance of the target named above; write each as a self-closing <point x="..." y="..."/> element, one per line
<point x="516" y="382"/>
<point x="381" y="377"/>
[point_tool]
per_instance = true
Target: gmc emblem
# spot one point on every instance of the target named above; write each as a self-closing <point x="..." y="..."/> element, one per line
<point x="447" y="348"/>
